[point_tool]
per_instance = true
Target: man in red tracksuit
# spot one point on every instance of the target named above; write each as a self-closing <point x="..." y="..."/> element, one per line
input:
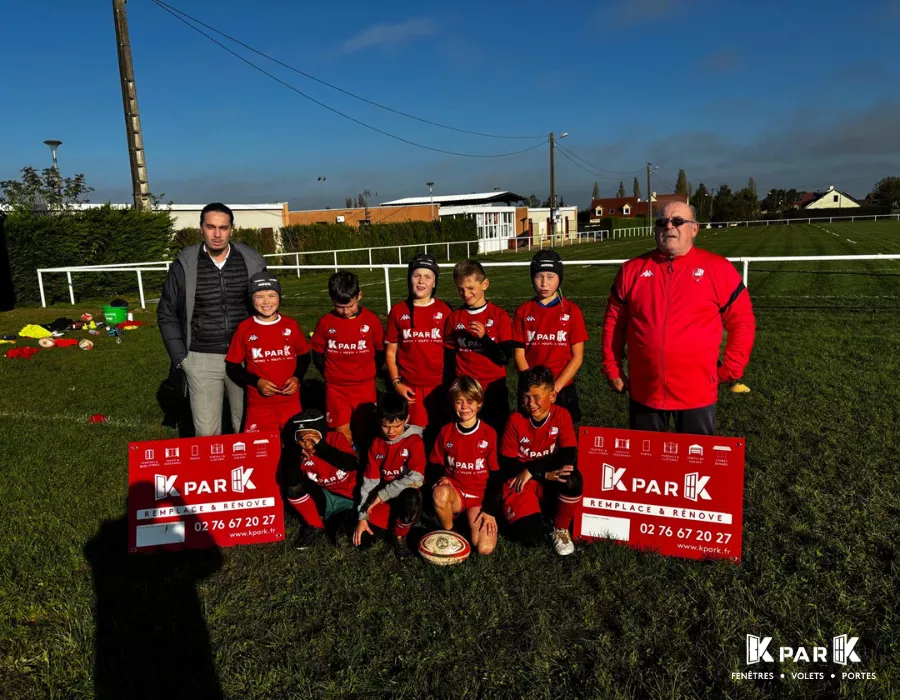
<point x="669" y="307"/>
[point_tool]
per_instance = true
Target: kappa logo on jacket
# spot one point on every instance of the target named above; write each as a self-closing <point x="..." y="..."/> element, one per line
<point x="529" y="319"/>
<point x="647" y="273"/>
<point x="404" y="317"/>
<point x="252" y="338"/>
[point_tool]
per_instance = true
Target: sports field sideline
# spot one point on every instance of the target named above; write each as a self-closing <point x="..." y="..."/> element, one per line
<point x="821" y="533"/>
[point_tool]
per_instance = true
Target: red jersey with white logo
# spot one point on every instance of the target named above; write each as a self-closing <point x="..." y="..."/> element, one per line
<point x="349" y="346"/>
<point x="548" y="333"/>
<point x="420" y="351"/>
<point x="388" y="462"/>
<point x="269" y="351"/>
<point x="470" y="357"/>
<point x="524" y="441"/>
<point x="467" y="458"/>
<point x="327" y="475"/>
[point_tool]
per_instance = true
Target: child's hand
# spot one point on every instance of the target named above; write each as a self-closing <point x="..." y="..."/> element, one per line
<point x="375" y="502"/>
<point x="560" y="474"/>
<point x="521" y="479"/>
<point x="477" y="329"/>
<point x="266" y="388"/>
<point x="487" y="524"/>
<point x="406" y="392"/>
<point x="290" y="386"/>
<point x="443" y="481"/>
<point x="361" y="527"/>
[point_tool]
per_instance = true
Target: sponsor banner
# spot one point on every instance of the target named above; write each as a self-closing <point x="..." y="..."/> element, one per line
<point x="680" y="495"/>
<point x="195" y="493"/>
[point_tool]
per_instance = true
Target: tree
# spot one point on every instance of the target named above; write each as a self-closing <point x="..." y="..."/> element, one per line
<point x="681" y="185"/>
<point x="723" y="205"/>
<point x="348" y="202"/>
<point x="44" y="191"/>
<point x="751" y="185"/>
<point x="533" y="201"/>
<point x="596" y="192"/>
<point x="636" y="188"/>
<point x="701" y="200"/>
<point x="887" y="191"/>
<point x="621" y="190"/>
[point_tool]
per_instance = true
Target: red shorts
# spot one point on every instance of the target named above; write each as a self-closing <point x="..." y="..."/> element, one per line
<point x="469" y="500"/>
<point x="343" y="400"/>
<point x="270" y="413"/>
<point x="518" y="505"/>
<point x="380" y="516"/>
<point x="428" y="408"/>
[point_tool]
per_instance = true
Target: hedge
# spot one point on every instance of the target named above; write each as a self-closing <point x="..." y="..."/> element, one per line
<point x="93" y="237"/>
<point x="341" y="236"/>
<point x="261" y="241"/>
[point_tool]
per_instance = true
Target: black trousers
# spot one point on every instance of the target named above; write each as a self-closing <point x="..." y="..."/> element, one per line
<point x="696" y="421"/>
<point x="567" y="397"/>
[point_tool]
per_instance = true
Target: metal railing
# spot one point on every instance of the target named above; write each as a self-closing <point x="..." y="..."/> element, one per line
<point x="648" y="231"/>
<point x="561" y="240"/>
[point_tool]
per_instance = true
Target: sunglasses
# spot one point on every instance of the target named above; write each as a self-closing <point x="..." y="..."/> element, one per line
<point x="676" y="222"/>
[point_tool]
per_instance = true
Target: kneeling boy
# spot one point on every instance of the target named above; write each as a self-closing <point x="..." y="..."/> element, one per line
<point x="390" y="499"/>
<point x="467" y="452"/>
<point x="538" y="454"/>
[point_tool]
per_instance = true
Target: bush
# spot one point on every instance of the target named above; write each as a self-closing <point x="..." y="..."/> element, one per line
<point x="91" y="237"/>
<point x="328" y="237"/>
<point x="263" y="241"/>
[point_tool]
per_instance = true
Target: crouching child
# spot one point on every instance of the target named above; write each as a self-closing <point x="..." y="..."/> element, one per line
<point x="390" y="500"/>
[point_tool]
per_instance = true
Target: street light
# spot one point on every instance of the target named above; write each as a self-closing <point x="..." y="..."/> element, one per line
<point x="553" y="181"/>
<point x="321" y="179"/>
<point x="54" y="144"/>
<point x="431" y="197"/>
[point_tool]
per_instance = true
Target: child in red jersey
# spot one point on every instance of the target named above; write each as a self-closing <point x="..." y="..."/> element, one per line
<point x="319" y="471"/>
<point x="549" y="330"/>
<point x="538" y="454"/>
<point x="268" y="356"/>
<point x="348" y="347"/>
<point x="480" y="333"/>
<point x="467" y="451"/>
<point x="414" y="352"/>
<point x="389" y="498"/>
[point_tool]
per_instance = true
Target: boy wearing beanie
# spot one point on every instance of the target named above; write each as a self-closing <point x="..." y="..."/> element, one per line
<point x="414" y="351"/>
<point x="268" y="356"/>
<point x="549" y="330"/>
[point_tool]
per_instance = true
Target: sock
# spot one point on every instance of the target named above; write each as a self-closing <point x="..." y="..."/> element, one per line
<point x="306" y="509"/>
<point x="402" y="529"/>
<point x="565" y="512"/>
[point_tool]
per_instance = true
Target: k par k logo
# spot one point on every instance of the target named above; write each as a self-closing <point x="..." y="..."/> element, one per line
<point x="841" y="651"/>
<point x="164" y="486"/>
<point x="694" y="484"/>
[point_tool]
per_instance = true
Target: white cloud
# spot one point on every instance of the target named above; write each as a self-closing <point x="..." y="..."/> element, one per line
<point x="385" y="34"/>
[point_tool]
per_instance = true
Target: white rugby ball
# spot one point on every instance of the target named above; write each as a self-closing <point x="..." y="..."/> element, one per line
<point x="444" y="547"/>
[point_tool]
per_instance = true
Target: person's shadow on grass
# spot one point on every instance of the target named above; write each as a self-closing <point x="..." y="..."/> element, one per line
<point x="150" y="636"/>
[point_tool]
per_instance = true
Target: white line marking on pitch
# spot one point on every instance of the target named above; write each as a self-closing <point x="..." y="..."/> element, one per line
<point x="849" y="241"/>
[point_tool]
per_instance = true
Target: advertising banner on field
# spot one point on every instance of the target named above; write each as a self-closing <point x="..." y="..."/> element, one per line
<point x="194" y="493"/>
<point x="680" y="495"/>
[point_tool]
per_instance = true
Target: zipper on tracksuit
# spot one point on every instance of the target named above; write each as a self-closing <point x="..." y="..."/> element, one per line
<point x="670" y="269"/>
<point x="224" y="303"/>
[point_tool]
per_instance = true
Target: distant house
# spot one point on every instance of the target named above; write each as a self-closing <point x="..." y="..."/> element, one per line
<point x="832" y="199"/>
<point x="630" y="207"/>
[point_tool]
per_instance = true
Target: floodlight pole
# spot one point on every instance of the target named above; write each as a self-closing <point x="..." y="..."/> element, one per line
<point x="431" y="197"/>
<point x="553" y="182"/>
<point x="649" y="198"/>
<point x="140" y="185"/>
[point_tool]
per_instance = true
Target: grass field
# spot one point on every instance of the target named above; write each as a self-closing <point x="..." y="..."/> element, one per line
<point x="821" y="528"/>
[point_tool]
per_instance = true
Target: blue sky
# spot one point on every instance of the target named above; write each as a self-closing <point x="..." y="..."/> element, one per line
<point x="792" y="93"/>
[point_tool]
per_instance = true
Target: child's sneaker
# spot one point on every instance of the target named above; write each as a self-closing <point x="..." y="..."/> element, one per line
<point x="401" y="549"/>
<point x="306" y="537"/>
<point x="562" y="543"/>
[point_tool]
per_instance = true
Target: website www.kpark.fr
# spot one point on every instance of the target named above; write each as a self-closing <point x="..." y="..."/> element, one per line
<point x="703" y="549"/>
<point x="253" y="533"/>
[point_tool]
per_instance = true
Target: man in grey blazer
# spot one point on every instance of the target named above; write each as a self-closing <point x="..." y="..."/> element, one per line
<point x="203" y="301"/>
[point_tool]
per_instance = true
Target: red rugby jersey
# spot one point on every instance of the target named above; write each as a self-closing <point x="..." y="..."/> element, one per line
<point x="420" y="351"/>
<point x="349" y="345"/>
<point x="327" y="475"/>
<point x="268" y="350"/>
<point x="388" y="462"/>
<point x="525" y="442"/>
<point x="467" y="458"/>
<point x="548" y="333"/>
<point x="470" y="357"/>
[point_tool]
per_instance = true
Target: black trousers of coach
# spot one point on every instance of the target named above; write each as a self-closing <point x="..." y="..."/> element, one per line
<point x="696" y="421"/>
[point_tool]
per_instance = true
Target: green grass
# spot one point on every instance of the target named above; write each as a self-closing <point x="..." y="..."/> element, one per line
<point x="822" y="526"/>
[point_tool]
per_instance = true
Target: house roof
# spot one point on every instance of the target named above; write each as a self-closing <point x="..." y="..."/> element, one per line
<point x="810" y="197"/>
<point x="613" y="202"/>
<point x="504" y="197"/>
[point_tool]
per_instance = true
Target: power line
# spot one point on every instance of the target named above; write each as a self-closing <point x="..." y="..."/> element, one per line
<point x="173" y="10"/>
<point x="565" y="154"/>
<point x="597" y="167"/>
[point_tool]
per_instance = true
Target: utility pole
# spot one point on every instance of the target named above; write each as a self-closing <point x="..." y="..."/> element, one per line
<point x="649" y="198"/>
<point x="140" y="185"/>
<point x="553" y="182"/>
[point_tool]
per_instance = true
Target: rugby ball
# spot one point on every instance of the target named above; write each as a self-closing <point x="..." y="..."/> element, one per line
<point x="47" y="343"/>
<point x="444" y="547"/>
<point x="85" y="344"/>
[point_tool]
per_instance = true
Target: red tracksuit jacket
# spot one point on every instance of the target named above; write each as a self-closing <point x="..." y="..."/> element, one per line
<point x="670" y="315"/>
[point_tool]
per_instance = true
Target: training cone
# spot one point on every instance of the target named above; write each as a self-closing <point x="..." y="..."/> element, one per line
<point x="740" y="389"/>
